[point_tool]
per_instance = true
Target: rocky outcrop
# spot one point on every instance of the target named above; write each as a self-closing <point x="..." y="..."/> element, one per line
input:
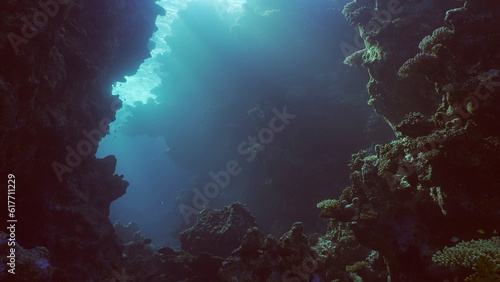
<point x="23" y="264"/>
<point x="391" y="31"/>
<point x="59" y="60"/>
<point x="246" y="254"/>
<point x="267" y="259"/>
<point x="218" y="232"/>
<point x="436" y="185"/>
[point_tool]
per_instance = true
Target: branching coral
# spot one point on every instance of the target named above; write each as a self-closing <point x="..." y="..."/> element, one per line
<point x="482" y="255"/>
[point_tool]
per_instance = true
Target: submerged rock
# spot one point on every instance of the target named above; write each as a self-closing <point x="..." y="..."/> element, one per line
<point x="23" y="264"/>
<point x="218" y="232"/>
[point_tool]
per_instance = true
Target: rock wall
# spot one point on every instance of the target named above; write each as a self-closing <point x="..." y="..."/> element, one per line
<point x="391" y="31"/>
<point x="59" y="61"/>
<point x="437" y="184"/>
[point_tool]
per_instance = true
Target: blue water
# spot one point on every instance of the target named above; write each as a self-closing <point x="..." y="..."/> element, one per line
<point x="209" y="74"/>
<point x="154" y="183"/>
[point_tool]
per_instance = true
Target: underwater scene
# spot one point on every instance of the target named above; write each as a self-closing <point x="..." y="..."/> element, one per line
<point x="250" y="140"/>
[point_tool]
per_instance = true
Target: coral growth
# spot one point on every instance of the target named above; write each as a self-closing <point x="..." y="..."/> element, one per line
<point x="436" y="182"/>
<point x="483" y="256"/>
<point x="399" y="27"/>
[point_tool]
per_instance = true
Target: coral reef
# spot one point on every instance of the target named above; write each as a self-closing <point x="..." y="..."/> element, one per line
<point x="481" y="255"/>
<point x="268" y="259"/>
<point x="55" y="87"/>
<point x="391" y="31"/>
<point x="436" y="182"/>
<point x="404" y="194"/>
<point x="335" y="256"/>
<point x="434" y="73"/>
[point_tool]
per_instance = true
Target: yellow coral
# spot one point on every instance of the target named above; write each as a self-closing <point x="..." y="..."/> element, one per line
<point x="482" y="255"/>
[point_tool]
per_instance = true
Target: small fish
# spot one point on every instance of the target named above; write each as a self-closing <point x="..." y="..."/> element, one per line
<point x="454" y="239"/>
<point x="480" y="231"/>
<point x="161" y="202"/>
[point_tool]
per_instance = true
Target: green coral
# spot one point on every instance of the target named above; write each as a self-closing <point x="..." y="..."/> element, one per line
<point x="483" y="256"/>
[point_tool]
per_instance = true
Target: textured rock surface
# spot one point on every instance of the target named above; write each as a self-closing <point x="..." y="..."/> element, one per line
<point x="218" y="232"/>
<point x="54" y="87"/>
<point x="335" y="256"/>
<point x="436" y="81"/>
<point x="436" y="185"/>
<point x="29" y="265"/>
<point x="267" y="259"/>
<point x="391" y="31"/>
<point x="128" y="232"/>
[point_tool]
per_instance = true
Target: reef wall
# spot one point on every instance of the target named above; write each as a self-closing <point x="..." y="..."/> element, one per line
<point x="391" y="31"/>
<point x="437" y="184"/>
<point x="59" y="61"/>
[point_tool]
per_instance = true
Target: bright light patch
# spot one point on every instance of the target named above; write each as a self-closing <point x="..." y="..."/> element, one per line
<point x="230" y="6"/>
<point x="137" y="87"/>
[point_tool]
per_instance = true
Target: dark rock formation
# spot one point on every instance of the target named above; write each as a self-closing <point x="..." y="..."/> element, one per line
<point x="437" y="185"/>
<point x="218" y="232"/>
<point x="126" y="232"/>
<point x="143" y="264"/>
<point x="335" y="256"/>
<point x="28" y="265"/>
<point x="58" y="65"/>
<point x="434" y="76"/>
<point x="391" y="31"/>
<point x="267" y="259"/>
